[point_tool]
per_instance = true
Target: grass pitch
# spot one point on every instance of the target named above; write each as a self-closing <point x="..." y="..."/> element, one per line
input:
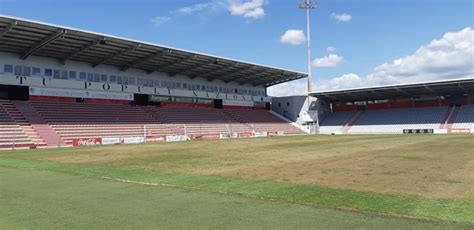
<point x="385" y="182"/>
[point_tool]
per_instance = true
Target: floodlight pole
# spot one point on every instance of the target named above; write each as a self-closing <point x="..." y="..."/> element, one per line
<point x="308" y="5"/>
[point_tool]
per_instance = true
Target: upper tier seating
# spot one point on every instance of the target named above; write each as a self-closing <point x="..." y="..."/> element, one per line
<point x="11" y="134"/>
<point x="465" y="117"/>
<point x="335" y="122"/>
<point x="262" y="121"/>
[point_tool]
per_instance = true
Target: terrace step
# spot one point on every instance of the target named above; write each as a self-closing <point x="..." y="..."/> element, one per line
<point x="38" y="124"/>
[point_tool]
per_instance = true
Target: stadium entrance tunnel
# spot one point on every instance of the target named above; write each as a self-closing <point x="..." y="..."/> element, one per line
<point x="10" y="92"/>
<point x="141" y="99"/>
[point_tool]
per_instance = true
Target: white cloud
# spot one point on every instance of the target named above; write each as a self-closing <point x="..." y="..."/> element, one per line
<point x="331" y="49"/>
<point x="293" y="37"/>
<point x="158" y="21"/>
<point x="342" y="17"/>
<point x="298" y="87"/>
<point x="193" y="8"/>
<point x="451" y="57"/>
<point x="330" y="61"/>
<point x="252" y="9"/>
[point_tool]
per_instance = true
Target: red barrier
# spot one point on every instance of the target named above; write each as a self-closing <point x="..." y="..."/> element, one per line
<point x="50" y="98"/>
<point x="185" y="104"/>
<point x="106" y="101"/>
<point x="377" y="106"/>
<point x="76" y="142"/>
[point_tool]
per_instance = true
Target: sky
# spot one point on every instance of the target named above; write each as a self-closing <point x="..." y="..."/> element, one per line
<point x="355" y="43"/>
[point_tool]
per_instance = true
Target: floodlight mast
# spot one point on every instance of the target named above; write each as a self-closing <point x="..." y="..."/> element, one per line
<point x="308" y="5"/>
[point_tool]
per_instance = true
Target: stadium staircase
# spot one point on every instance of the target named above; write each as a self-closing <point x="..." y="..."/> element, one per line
<point x="351" y="122"/>
<point x="15" y="131"/>
<point x="43" y="131"/>
<point x="450" y="117"/>
<point x="262" y="121"/>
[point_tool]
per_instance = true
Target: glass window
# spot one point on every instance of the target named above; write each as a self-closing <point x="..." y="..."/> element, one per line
<point x="178" y="85"/>
<point x="18" y="70"/>
<point x="83" y="76"/>
<point x="35" y="71"/>
<point x="185" y="85"/>
<point x="103" y="78"/>
<point x="57" y="74"/>
<point x="203" y="87"/>
<point x="131" y="81"/>
<point x="125" y="80"/>
<point x="163" y="84"/>
<point x="26" y="71"/>
<point x="7" y="68"/>
<point x="90" y="77"/>
<point x="198" y="87"/>
<point x="48" y="72"/>
<point x="119" y="79"/>
<point x="157" y="83"/>
<point x="64" y="74"/>
<point x="113" y="78"/>
<point x="72" y="75"/>
<point x="96" y="77"/>
<point x="140" y="82"/>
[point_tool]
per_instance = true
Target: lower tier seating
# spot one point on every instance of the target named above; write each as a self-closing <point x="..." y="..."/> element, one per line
<point x="11" y="134"/>
<point x="262" y="121"/>
<point x="69" y="120"/>
<point x="465" y="118"/>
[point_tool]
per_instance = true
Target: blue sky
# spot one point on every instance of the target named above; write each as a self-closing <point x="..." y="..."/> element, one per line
<point x="378" y="31"/>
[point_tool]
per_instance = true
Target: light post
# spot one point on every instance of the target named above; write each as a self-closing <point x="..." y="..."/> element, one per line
<point x="309" y="5"/>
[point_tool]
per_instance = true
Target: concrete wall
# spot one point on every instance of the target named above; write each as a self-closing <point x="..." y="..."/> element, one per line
<point x="293" y="107"/>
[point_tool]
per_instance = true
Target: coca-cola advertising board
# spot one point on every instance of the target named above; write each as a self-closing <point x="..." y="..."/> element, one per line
<point x="76" y="142"/>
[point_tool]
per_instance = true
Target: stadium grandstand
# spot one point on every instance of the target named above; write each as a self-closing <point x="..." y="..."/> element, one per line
<point x="430" y="107"/>
<point x="61" y="86"/>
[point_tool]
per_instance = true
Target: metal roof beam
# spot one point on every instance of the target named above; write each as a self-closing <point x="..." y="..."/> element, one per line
<point x="145" y="59"/>
<point x="172" y="63"/>
<point x="225" y="68"/>
<point x="129" y="49"/>
<point x="428" y="88"/>
<point x="462" y="88"/>
<point x="42" y="44"/>
<point x="9" y="28"/>
<point x="84" y="48"/>
<point x="257" y="78"/>
<point x="213" y="61"/>
<point x="402" y="91"/>
<point x="231" y="74"/>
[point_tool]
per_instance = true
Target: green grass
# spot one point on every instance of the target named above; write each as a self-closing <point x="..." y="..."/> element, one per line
<point x="217" y="169"/>
<point x="33" y="199"/>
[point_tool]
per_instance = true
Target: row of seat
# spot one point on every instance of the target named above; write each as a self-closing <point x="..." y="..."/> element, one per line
<point x="396" y="120"/>
<point x="79" y="120"/>
<point x="11" y="134"/>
